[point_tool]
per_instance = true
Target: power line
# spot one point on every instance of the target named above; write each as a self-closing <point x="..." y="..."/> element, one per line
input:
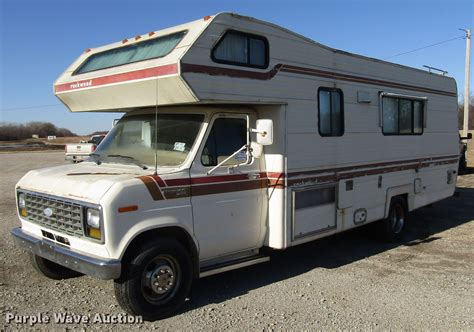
<point x="422" y="48"/>
<point x="27" y="107"/>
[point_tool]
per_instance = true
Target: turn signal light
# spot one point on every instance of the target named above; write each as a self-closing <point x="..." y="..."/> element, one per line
<point x="94" y="233"/>
<point x="23" y="212"/>
<point x="128" y="208"/>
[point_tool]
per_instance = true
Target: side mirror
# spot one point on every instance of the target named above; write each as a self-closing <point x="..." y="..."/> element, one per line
<point x="264" y="132"/>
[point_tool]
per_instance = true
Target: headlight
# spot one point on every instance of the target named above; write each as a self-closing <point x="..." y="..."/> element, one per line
<point x="93" y="223"/>
<point x="21" y="201"/>
<point x="93" y="218"/>
<point x="22" y="205"/>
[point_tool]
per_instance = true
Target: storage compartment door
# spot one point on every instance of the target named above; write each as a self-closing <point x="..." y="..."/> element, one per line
<point x="314" y="210"/>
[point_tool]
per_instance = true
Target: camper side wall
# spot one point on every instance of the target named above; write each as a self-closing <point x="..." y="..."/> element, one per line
<point x="334" y="175"/>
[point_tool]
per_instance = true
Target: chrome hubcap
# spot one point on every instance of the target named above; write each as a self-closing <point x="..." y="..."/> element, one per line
<point x="161" y="279"/>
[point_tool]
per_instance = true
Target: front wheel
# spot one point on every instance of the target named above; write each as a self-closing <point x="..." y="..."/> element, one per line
<point x="391" y="228"/>
<point x="52" y="270"/>
<point x="157" y="281"/>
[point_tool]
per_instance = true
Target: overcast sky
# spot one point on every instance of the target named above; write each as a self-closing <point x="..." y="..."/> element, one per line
<point x="39" y="39"/>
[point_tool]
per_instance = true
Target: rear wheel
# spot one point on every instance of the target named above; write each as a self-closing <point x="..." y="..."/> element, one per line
<point x="157" y="280"/>
<point x="391" y="228"/>
<point x="52" y="270"/>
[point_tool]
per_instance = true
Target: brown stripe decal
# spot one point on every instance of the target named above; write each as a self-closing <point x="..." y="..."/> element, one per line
<point x="179" y="188"/>
<point x="221" y="71"/>
<point x="374" y="165"/>
<point x="220" y="188"/>
<point x="360" y="79"/>
<point x="152" y="187"/>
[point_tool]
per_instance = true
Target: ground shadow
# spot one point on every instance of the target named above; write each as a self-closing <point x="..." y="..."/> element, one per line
<point x="334" y="251"/>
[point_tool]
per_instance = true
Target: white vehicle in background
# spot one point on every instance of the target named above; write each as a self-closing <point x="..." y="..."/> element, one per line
<point x="238" y="135"/>
<point x="82" y="151"/>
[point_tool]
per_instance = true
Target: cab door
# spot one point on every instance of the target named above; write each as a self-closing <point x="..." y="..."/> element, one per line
<point x="229" y="204"/>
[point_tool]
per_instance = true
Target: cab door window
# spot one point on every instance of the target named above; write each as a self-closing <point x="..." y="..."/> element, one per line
<point x="226" y="137"/>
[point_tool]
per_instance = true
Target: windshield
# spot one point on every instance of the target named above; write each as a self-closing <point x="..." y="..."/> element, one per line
<point x="132" y="140"/>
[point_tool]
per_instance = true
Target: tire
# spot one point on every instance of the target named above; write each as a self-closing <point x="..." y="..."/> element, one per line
<point x="157" y="280"/>
<point x="391" y="228"/>
<point x="462" y="163"/>
<point x="52" y="270"/>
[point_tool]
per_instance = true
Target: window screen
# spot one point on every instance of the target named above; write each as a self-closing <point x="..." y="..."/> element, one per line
<point x="145" y="50"/>
<point x="330" y="112"/>
<point x="226" y="137"/>
<point x="242" y="49"/>
<point x="402" y="116"/>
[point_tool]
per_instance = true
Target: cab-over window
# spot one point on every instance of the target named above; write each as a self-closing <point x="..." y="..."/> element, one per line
<point x="241" y="49"/>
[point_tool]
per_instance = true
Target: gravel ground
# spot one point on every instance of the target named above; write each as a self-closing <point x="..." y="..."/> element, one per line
<point x="348" y="281"/>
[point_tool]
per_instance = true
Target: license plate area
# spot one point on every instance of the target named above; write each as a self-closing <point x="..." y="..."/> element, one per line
<point x="47" y="249"/>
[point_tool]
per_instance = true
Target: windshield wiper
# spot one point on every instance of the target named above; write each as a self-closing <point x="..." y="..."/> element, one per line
<point x="96" y="158"/>
<point x="133" y="160"/>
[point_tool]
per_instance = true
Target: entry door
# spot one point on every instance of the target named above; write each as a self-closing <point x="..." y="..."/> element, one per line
<point x="228" y="204"/>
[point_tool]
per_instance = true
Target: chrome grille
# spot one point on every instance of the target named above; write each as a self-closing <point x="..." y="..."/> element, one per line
<point x="66" y="216"/>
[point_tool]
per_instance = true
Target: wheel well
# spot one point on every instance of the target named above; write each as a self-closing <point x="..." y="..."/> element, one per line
<point x="399" y="191"/>
<point x="404" y="197"/>
<point x="176" y="233"/>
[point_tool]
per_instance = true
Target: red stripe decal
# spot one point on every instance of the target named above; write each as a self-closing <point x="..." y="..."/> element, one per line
<point x="219" y="188"/>
<point x="384" y="164"/>
<point x="275" y="175"/>
<point x="178" y="182"/>
<point x="118" y="78"/>
<point x="179" y="188"/>
<point x="221" y="71"/>
<point x="158" y="180"/>
<point x="219" y="178"/>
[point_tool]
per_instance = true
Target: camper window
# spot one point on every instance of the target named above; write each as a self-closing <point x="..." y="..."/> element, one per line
<point x="330" y="112"/>
<point x="241" y="49"/>
<point x="145" y="50"/>
<point x="402" y="115"/>
<point x="226" y="137"/>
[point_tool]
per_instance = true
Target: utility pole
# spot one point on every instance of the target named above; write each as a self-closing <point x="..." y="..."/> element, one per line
<point x="466" y="81"/>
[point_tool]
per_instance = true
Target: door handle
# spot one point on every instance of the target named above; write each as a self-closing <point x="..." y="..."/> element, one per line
<point x="253" y="176"/>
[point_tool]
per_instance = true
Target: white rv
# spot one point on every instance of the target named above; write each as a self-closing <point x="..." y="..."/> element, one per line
<point x="238" y="135"/>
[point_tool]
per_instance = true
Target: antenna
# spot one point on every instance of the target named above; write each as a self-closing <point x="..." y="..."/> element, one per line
<point x="443" y="72"/>
<point x="156" y="130"/>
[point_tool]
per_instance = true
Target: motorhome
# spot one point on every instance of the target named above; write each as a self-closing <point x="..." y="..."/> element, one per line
<point x="239" y="137"/>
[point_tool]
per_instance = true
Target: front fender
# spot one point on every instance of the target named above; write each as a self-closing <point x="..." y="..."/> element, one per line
<point x="122" y="227"/>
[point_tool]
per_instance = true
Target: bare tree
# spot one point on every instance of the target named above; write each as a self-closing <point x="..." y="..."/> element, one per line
<point x="15" y="131"/>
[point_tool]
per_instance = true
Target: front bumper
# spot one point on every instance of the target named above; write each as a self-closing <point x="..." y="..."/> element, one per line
<point x="88" y="264"/>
